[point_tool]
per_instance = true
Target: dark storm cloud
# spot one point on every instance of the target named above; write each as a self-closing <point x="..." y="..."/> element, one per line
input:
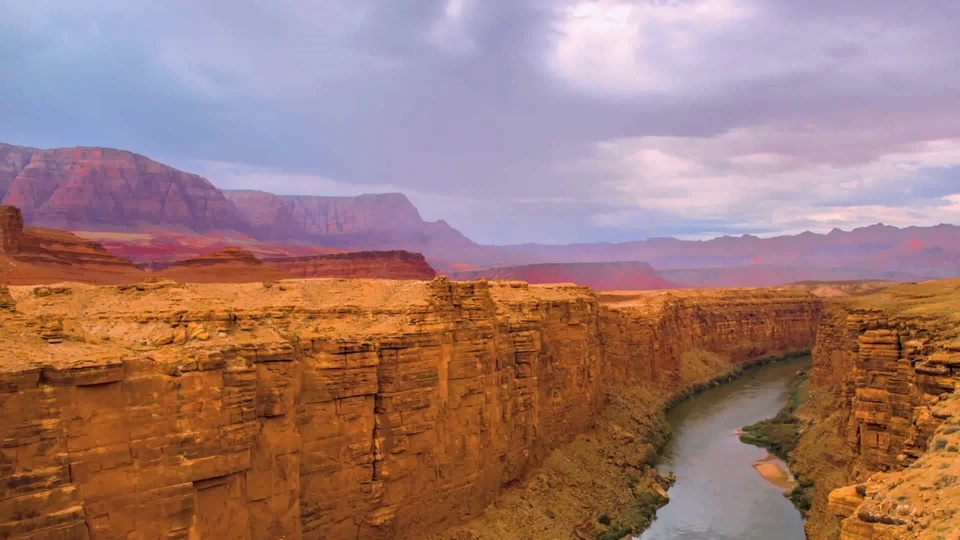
<point x="516" y="120"/>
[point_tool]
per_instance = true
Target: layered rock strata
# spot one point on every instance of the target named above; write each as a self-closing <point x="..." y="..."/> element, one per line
<point x="328" y="408"/>
<point x="358" y="264"/>
<point x="37" y="255"/>
<point x="886" y="367"/>
<point x="234" y="265"/>
<point x="85" y="187"/>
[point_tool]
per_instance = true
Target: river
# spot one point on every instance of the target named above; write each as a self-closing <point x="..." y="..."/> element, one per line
<point x="718" y="494"/>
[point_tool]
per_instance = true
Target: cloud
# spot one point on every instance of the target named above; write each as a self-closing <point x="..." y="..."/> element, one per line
<point x="774" y="179"/>
<point x="619" y="46"/>
<point x="517" y="120"/>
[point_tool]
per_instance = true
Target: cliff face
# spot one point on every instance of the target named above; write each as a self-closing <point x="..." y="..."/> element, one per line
<point x="379" y="222"/>
<point x="234" y="265"/>
<point x="34" y="255"/>
<point x="886" y="364"/>
<point x="359" y="264"/>
<point x="71" y="187"/>
<point x="328" y="409"/>
<point x="291" y="215"/>
<point x="632" y="275"/>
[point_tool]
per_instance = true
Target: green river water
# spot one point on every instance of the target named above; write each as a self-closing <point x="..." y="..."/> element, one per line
<point x="718" y="494"/>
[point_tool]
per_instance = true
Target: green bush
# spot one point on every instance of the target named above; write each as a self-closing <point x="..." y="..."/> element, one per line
<point x="781" y="433"/>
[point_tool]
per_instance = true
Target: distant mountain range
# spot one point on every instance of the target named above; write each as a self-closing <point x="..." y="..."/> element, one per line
<point x="97" y="189"/>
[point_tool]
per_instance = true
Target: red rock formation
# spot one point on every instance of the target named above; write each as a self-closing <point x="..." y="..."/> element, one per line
<point x="327" y="408"/>
<point x="166" y="247"/>
<point x="381" y="222"/>
<point x="66" y="188"/>
<point x="30" y="255"/>
<point x="288" y="216"/>
<point x="360" y="264"/>
<point x="11" y="230"/>
<point x="234" y="265"/>
<point x="600" y="276"/>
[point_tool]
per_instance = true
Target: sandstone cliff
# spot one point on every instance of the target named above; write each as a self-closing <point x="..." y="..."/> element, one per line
<point x="359" y="264"/>
<point x="287" y="216"/>
<point x="631" y="275"/>
<point x="235" y="265"/>
<point x="329" y="408"/>
<point x="377" y="222"/>
<point x="31" y="255"/>
<point x="884" y="367"/>
<point x="70" y="187"/>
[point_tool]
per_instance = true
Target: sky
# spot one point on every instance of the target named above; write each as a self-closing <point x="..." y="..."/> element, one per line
<point x="516" y="121"/>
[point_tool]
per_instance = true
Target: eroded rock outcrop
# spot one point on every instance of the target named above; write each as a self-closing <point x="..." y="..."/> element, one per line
<point x="886" y="367"/>
<point x="328" y="408"/>
<point x="36" y="255"/>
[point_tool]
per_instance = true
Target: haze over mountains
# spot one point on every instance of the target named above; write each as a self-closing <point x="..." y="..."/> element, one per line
<point x="97" y="191"/>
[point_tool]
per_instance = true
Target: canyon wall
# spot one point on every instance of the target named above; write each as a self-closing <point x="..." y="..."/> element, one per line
<point x="885" y="368"/>
<point x="329" y="408"/>
<point x="68" y="187"/>
<point x="32" y="255"/>
<point x="234" y="265"/>
<point x="358" y="264"/>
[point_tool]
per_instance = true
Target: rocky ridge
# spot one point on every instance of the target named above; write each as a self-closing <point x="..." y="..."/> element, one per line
<point x="235" y="265"/>
<point x="332" y="408"/>
<point x="37" y="255"/>
<point x="33" y="255"/>
<point x="66" y="187"/>
<point x="886" y="368"/>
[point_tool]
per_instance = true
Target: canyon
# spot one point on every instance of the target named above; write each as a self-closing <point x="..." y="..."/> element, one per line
<point x="339" y="408"/>
<point x="345" y="408"/>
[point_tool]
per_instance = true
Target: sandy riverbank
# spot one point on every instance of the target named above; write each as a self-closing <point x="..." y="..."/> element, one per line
<point x="775" y="471"/>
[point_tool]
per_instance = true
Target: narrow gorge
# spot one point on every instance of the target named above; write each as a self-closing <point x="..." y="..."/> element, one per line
<point x="451" y="410"/>
<point x="336" y="408"/>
